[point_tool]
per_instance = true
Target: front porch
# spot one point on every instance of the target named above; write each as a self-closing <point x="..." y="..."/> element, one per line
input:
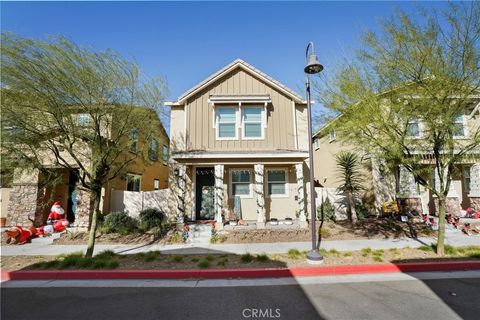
<point x="252" y="194"/>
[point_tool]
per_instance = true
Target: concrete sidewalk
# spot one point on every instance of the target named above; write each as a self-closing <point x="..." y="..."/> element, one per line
<point x="254" y="248"/>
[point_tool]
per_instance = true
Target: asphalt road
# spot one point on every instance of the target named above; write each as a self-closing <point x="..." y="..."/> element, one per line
<point x="457" y="298"/>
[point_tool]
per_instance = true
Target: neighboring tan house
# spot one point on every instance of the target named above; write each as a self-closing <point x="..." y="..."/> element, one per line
<point x="28" y="195"/>
<point x="239" y="140"/>
<point x="400" y="184"/>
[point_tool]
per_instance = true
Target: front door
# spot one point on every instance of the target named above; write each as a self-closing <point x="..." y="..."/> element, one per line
<point x="205" y="194"/>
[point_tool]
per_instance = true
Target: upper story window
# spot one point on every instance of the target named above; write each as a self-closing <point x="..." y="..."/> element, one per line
<point x="317" y="143"/>
<point x="153" y="149"/>
<point x="83" y="119"/>
<point x="253" y="123"/>
<point x="332" y="136"/>
<point x="459" y="128"/>
<point x="413" y="128"/>
<point x="165" y="154"/>
<point x="241" y="180"/>
<point x="226" y="123"/>
<point x="133" y="139"/>
<point x="133" y="182"/>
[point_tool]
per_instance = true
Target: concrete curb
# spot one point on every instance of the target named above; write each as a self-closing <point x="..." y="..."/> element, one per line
<point x="239" y="273"/>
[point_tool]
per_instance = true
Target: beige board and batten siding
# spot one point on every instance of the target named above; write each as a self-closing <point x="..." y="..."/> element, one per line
<point x="200" y="131"/>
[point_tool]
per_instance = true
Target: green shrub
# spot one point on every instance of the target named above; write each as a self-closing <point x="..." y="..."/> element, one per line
<point x="361" y="211"/>
<point x="209" y="257"/>
<point x="177" y="259"/>
<point x="333" y="252"/>
<point x="194" y="260"/>
<point x="107" y="254"/>
<point x="366" y="251"/>
<point x="152" y="218"/>
<point x="203" y="264"/>
<point x="347" y="254"/>
<point x="222" y="262"/>
<point x="71" y="260"/>
<point x="294" y="254"/>
<point x="328" y="211"/>
<point x="262" y="257"/>
<point x="151" y="256"/>
<point x="377" y="258"/>
<point x="119" y="222"/>
<point x="245" y="258"/>
<point x="426" y="248"/>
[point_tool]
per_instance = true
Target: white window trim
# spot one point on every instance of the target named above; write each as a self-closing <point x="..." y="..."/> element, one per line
<point x="263" y="123"/>
<point x="330" y="138"/>
<point x="465" y="129"/>
<point x="134" y="175"/>
<point x="85" y="117"/>
<point x="217" y="127"/>
<point x="316" y="143"/>
<point x="250" y="184"/>
<point x="287" y="184"/>
<point x="164" y="146"/>
<point x="420" y="128"/>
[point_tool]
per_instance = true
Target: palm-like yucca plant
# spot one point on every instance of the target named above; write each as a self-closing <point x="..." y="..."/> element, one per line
<point x="348" y="169"/>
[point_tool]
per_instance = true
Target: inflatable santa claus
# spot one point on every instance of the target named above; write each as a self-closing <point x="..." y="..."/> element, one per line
<point x="56" y="213"/>
<point x="19" y="235"/>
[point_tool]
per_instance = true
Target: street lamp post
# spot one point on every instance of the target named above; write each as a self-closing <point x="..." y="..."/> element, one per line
<point x="312" y="66"/>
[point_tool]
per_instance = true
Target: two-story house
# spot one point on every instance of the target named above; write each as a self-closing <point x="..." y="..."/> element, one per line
<point x="388" y="184"/>
<point x="30" y="193"/>
<point x="239" y="149"/>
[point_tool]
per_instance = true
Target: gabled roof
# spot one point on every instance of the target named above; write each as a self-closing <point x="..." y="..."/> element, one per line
<point x="246" y="67"/>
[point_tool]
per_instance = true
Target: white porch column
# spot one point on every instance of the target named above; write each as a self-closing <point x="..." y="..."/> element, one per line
<point x="475" y="181"/>
<point x="301" y="192"/>
<point x="260" y="196"/>
<point x="182" y="169"/>
<point x="407" y="184"/>
<point x="219" y="196"/>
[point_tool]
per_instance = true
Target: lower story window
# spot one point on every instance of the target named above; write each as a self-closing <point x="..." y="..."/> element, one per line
<point x="277" y="182"/>
<point x="466" y="175"/>
<point x="156" y="184"/>
<point x="240" y="182"/>
<point x="133" y="182"/>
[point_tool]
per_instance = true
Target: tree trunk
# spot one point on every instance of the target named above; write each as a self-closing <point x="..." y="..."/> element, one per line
<point x="350" y="206"/>
<point x="441" y="225"/>
<point x="93" y="223"/>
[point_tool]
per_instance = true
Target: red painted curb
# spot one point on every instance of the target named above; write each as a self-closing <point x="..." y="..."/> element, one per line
<point x="238" y="273"/>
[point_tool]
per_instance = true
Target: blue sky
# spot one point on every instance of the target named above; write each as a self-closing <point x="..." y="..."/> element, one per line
<point x="187" y="41"/>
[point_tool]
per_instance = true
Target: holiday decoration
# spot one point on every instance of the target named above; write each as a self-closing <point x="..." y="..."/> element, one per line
<point x="19" y="235"/>
<point x="237" y="207"/>
<point x="56" y="213"/>
<point x="207" y="211"/>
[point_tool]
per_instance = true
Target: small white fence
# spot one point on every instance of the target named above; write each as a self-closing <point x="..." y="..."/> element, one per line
<point x="336" y="197"/>
<point x="134" y="202"/>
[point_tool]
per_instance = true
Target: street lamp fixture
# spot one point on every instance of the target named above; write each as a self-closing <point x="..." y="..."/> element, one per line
<point x="312" y="66"/>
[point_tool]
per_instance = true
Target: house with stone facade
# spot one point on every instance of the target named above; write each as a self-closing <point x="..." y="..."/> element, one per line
<point x="30" y="193"/>
<point x="384" y="184"/>
<point x="239" y="150"/>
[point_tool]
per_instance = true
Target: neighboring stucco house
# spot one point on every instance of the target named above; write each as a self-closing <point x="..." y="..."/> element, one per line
<point x="27" y="195"/>
<point x="239" y="134"/>
<point x="399" y="184"/>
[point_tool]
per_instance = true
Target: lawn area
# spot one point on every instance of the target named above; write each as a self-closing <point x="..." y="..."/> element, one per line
<point x="154" y="260"/>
